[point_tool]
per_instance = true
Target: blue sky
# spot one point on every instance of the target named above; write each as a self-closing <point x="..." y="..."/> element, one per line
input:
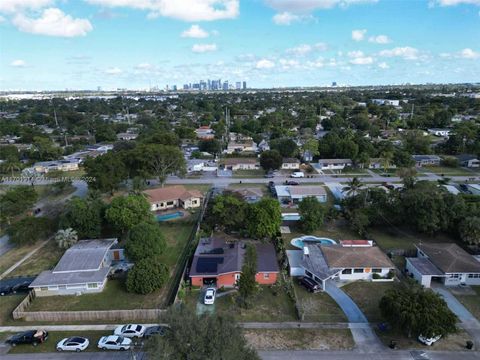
<point x="137" y="44"/>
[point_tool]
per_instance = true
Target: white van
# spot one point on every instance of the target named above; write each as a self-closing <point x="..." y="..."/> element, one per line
<point x="297" y="174"/>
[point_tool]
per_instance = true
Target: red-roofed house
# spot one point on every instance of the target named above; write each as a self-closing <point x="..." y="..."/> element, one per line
<point x="173" y="197"/>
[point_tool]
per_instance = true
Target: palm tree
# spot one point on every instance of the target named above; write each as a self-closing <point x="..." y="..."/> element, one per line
<point x="11" y="166"/>
<point x="66" y="238"/>
<point x="387" y="158"/>
<point x="353" y="186"/>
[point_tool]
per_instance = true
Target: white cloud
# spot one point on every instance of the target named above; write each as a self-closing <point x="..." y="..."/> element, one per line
<point x="355" y="53"/>
<point x="13" y="6"/>
<point x="383" y="65"/>
<point x="358" y="35"/>
<point x="18" y="63"/>
<point x="457" y="2"/>
<point x="304" y="49"/>
<point x="144" y="66"/>
<point x="300" y="6"/>
<point x="113" y="71"/>
<point x="187" y="10"/>
<point x="202" y="48"/>
<point x="407" y="52"/>
<point x="469" y="54"/>
<point x="53" y="22"/>
<point x="196" y="32"/>
<point x="285" y="18"/>
<point x="379" y="39"/>
<point x="288" y="63"/>
<point x="362" y="60"/>
<point x="265" y="64"/>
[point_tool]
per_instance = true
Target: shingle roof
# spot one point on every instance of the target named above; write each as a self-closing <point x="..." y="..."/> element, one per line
<point x="450" y="258"/>
<point x="425" y="266"/>
<point x="170" y="193"/>
<point x="47" y="278"/>
<point x="338" y="256"/>
<point x="307" y="190"/>
<point x="335" y="161"/>
<point x="236" y="161"/>
<point x="316" y="264"/>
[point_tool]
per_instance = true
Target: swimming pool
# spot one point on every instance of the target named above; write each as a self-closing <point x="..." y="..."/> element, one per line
<point x="170" y="216"/>
<point x="291" y="217"/>
<point x="299" y="242"/>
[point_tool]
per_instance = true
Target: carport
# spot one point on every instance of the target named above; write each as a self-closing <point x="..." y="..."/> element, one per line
<point x="422" y="270"/>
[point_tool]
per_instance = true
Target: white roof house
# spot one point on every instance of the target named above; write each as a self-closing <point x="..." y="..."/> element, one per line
<point x="295" y="194"/>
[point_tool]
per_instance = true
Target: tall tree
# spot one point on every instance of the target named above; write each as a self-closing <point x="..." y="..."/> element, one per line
<point x="270" y="160"/>
<point x="85" y="216"/>
<point x="66" y="238"/>
<point x="106" y="172"/>
<point x="125" y="212"/>
<point x="29" y="230"/>
<point x="145" y="240"/>
<point x="353" y="186"/>
<point x="264" y="218"/>
<point x="16" y="201"/>
<point x="247" y="285"/>
<point x="469" y="230"/>
<point x="312" y="213"/>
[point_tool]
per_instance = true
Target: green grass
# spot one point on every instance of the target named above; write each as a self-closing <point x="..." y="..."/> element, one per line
<point x="248" y="173"/>
<point x="7" y="305"/>
<point x="44" y="259"/>
<point x="54" y="338"/>
<point x="176" y="234"/>
<point x="113" y="297"/>
<point x="319" y="307"/>
<point x="68" y="174"/>
<point x="458" y="171"/>
<point x="14" y="255"/>
<point x="471" y="302"/>
<point x="367" y="296"/>
<point x="299" y="339"/>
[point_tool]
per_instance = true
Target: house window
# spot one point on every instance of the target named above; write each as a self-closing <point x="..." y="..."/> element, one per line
<point x="169" y="203"/>
<point x="92" y="285"/>
<point x="62" y="287"/>
<point x="347" y="271"/>
<point x="43" y="288"/>
<point x="53" y="287"/>
<point x="237" y="277"/>
<point x="308" y="273"/>
<point x="358" y="271"/>
<point x="474" y="276"/>
<point x="454" y="276"/>
<point x="376" y="271"/>
<point x="194" y="202"/>
<point x="266" y="276"/>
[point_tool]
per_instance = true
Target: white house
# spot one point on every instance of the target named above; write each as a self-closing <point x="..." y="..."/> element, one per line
<point x="82" y="269"/>
<point x="440" y="132"/>
<point x="290" y="164"/>
<point x="291" y="195"/>
<point x="240" y="146"/>
<point x="474" y="188"/>
<point x="446" y="263"/>
<point x="323" y="262"/>
<point x="241" y="164"/>
<point x="469" y="161"/>
<point x="386" y="102"/>
<point x="426" y="160"/>
<point x="334" y="164"/>
<point x="44" y="167"/>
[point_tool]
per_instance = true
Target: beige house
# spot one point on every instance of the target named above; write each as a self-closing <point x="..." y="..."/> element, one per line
<point x="171" y="197"/>
<point x="241" y="146"/>
<point x="241" y="164"/>
<point x="290" y="164"/>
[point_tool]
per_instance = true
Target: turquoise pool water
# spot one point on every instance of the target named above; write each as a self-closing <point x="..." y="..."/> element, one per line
<point x="291" y="217"/>
<point x="299" y="242"/>
<point x="170" y="216"/>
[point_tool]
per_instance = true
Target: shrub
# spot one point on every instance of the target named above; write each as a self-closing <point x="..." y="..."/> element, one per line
<point x="145" y="240"/>
<point x="29" y="230"/>
<point x="146" y="276"/>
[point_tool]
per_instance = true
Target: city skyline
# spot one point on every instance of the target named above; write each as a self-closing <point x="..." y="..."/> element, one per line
<point x="53" y="44"/>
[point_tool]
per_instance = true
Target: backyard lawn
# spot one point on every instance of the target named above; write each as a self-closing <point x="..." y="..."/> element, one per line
<point x="299" y="339"/>
<point x="367" y="296"/>
<point x="318" y="307"/>
<point x="471" y="302"/>
<point x="176" y="234"/>
<point x="7" y="305"/>
<point x="54" y="337"/>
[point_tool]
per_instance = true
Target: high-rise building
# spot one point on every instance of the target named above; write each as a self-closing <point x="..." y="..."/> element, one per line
<point x="225" y="85"/>
<point x="244" y="85"/>
<point x="334" y="83"/>
<point x="238" y="85"/>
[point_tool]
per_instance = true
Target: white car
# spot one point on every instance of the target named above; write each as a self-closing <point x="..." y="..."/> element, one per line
<point x="297" y="174"/>
<point x="429" y="341"/>
<point x="75" y="343"/>
<point x="130" y="330"/>
<point x="114" y="342"/>
<point x="209" y="298"/>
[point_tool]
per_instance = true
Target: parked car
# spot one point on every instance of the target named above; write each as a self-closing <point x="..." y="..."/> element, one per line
<point x="269" y="175"/>
<point x="209" y="298"/>
<point x="33" y="337"/>
<point x="310" y="284"/>
<point x="297" y="174"/>
<point x="6" y="290"/>
<point x="130" y="330"/>
<point x="429" y="341"/>
<point x="292" y="183"/>
<point x="114" y="342"/>
<point x="75" y="343"/>
<point x="21" y="287"/>
<point x="155" y="330"/>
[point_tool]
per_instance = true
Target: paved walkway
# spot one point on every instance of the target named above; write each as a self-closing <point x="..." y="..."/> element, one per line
<point x="365" y="338"/>
<point x="467" y="320"/>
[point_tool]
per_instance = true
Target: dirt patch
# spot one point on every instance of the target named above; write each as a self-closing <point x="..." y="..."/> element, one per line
<point x="299" y="339"/>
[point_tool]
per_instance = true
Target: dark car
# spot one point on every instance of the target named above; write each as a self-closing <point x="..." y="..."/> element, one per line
<point x="33" y="337"/>
<point x="155" y="330"/>
<point x="6" y="289"/>
<point x="290" y="182"/>
<point x="310" y="284"/>
<point x="269" y="175"/>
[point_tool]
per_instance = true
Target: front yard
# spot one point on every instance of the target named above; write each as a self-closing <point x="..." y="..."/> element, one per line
<point x="471" y="302"/>
<point x="299" y="339"/>
<point x="45" y="258"/>
<point x="367" y="296"/>
<point x="318" y="307"/>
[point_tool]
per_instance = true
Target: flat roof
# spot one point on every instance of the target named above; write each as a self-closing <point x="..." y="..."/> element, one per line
<point x="48" y="278"/>
<point x="425" y="266"/>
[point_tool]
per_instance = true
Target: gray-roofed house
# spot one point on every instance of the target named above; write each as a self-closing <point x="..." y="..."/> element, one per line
<point x="290" y="164"/>
<point x="249" y="194"/>
<point x="347" y="263"/>
<point x="426" y="160"/>
<point x="446" y="263"/>
<point x="293" y="194"/>
<point x="334" y="164"/>
<point x="83" y="268"/>
<point x="218" y="261"/>
<point x="468" y="160"/>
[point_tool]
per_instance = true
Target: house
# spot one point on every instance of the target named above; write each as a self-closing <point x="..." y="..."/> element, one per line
<point x="171" y="197"/>
<point x="126" y="136"/>
<point x="241" y="164"/>
<point x="323" y="262"/>
<point x="44" y="167"/>
<point x="426" y="160"/>
<point x="386" y="102"/>
<point x="378" y="163"/>
<point x="249" y="194"/>
<point x="241" y="146"/>
<point x="288" y="194"/>
<point x="334" y="164"/>
<point x="83" y="268"/>
<point x="263" y="146"/>
<point x="468" y="160"/>
<point x="290" y="164"/>
<point x="219" y="262"/>
<point x="446" y="263"/>
<point x="439" y="132"/>
<point x="205" y="133"/>
<point x="474" y="188"/>
<point x="307" y="156"/>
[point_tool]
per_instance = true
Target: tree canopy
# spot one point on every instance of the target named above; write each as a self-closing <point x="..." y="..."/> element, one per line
<point x="145" y="240"/>
<point x="125" y="212"/>
<point x="312" y="214"/>
<point x="270" y="160"/>
<point x="146" y="276"/>
<point x="85" y="216"/>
